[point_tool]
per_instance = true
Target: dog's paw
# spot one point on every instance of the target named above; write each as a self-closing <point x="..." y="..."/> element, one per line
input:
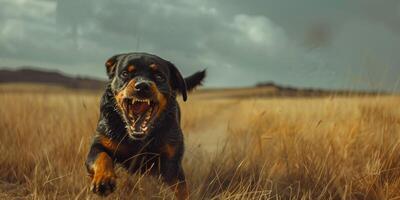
<point x="103" y="184"/>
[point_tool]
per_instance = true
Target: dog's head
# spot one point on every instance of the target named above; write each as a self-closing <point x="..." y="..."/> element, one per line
<point x="142" y="85"/>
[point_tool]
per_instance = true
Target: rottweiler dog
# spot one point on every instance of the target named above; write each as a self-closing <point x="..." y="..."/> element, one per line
<point x="139" y="123"/>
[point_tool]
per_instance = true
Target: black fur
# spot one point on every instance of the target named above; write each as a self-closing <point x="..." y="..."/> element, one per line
<point x="148" y="154"/>
<point x="195" y="80"/>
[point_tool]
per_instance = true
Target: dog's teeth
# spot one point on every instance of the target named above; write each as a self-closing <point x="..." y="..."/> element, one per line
<point x="137" y="133"/>
<point x="141" y="100"/>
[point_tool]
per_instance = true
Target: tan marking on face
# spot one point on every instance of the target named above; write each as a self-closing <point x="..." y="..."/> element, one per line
<point x="162" y="100"/>
<point x="126" y="92"/>
<point x="131" y="68"/>
<point x="120" y="98"/>
<point x="130" y="88"/>
<point x="153" y="66"/>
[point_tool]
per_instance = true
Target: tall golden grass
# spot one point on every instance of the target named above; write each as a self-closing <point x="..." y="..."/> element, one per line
<point x="320" y="148"/>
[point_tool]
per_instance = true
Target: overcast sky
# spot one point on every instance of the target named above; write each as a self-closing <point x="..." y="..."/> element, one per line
<point x="310" y="43"/>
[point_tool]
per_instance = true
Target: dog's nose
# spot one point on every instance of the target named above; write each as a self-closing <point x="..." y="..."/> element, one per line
<point x="142" y="86"/>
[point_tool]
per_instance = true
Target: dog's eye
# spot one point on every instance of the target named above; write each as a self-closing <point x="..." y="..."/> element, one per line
<point x="159" y="77"/>
<point x="124" y="74"/>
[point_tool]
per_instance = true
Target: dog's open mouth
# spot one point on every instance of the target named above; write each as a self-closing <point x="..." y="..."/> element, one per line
<point x="139" y="114"/>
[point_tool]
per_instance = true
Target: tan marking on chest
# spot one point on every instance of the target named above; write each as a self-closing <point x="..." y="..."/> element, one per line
<point x="169" y="150"/>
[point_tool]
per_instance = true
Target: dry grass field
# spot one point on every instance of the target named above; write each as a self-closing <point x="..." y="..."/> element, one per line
<point x="278" y="148"/>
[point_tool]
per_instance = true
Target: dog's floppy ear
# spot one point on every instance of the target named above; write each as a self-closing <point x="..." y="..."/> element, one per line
<point x="111" y="65"/>
<point x="177" y="81"/>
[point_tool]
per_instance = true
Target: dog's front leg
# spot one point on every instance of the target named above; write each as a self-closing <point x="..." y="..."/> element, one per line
<point x="172" y="172"/>
<point x="100" y="166"/>
<point x="175" y="178"/>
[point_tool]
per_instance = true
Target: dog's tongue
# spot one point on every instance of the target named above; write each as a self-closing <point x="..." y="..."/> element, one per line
<point x="140" y="107"/>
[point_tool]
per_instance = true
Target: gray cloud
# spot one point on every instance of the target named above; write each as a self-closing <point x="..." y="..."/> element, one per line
<point x="239" y="43"/>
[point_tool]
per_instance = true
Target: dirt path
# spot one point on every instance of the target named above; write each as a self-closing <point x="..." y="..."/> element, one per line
<point x="212" y="137"/>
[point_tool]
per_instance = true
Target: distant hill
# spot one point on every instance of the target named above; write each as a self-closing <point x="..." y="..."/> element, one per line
<point x="261" y="90"/>
<point x="271" y="89"/>
<point x="28" y="75"/>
